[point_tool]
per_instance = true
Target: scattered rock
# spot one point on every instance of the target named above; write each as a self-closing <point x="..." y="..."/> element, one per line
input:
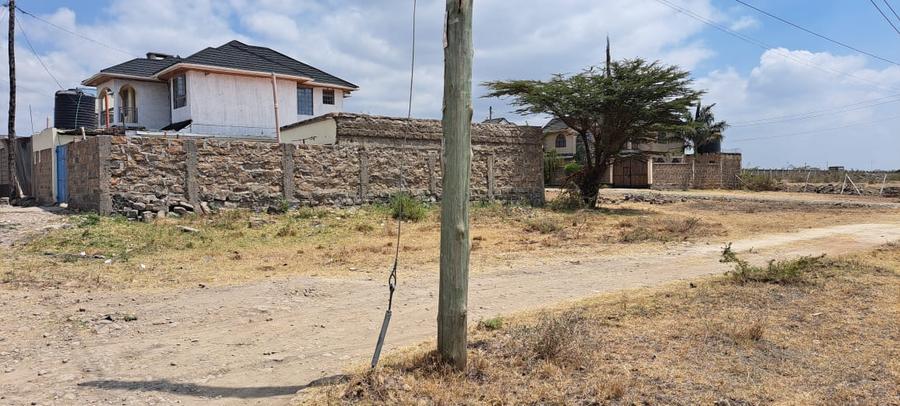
<point x="187" y="229"/>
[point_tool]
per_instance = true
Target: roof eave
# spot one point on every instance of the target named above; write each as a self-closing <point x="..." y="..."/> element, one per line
<point x="219" y="69"/>
<point x="101" y="77"/>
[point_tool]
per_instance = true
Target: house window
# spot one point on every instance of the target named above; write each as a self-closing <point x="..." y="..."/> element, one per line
<point x="328" y="96"/>
<point x="560" y="141"/>
<point x="179" y="91"/>
<point x="127" y="109"/>
<point x="305" y="101"/>
<point x="107" y="115"/>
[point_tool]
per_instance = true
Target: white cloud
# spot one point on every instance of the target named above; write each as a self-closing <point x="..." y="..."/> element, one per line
<point x="365" y="42"/>
<point x="781" y="86"/>
<point x="744" y="23"/>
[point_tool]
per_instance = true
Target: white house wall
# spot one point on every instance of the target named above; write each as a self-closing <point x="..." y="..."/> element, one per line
<point x="319" y="132"/>
<point x="151" y="100"/>
<point x="318" y="107"/>
<point x="238" y="105"/>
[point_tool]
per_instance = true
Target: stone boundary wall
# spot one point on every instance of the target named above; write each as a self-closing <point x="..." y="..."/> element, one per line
<point x="42" y="176"/>
<point x="89" y="175"/>
<point x="155" y="175"/>
<point x="702" y="171"/>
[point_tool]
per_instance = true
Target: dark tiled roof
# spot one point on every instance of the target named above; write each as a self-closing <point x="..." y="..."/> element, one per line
<point x="142" y="67"/>
<point x="238" y="55"/>
<point x="235" y="55"/>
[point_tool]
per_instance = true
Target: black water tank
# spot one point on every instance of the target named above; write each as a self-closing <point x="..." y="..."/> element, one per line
<point x="710" y="148"/>
<point x="73" y="109"/>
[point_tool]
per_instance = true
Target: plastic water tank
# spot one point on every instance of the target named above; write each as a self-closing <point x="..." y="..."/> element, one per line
<point x="710" y="148"/>
<point x="73" y="109"/>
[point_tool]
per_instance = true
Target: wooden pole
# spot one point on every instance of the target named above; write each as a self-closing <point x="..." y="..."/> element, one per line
<point x="883" y="181"/>
<point x="11" y="130"/>
<point x="275" y="100"/>
<point x="457" y="123"/>
<point x="854" y="185"/>
<point x="805" y="184"/>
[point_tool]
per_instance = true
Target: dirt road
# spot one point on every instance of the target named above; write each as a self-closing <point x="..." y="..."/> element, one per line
<point x="261" y="343"/>
<point x="18" y="223"/>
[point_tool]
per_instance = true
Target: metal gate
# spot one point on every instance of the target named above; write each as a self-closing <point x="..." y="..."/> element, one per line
<point x="630" y="172"/>
<point x="62" y="175"/>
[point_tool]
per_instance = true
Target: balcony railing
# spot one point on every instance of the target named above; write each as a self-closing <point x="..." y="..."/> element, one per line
<point x="104" y="114"/>
<point x="128" y="115"/>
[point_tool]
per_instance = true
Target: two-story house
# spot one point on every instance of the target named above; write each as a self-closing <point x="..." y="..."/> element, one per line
<point x="230" y="90"/>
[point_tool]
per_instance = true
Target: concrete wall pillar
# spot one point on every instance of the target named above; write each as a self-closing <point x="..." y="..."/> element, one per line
<point x="363" y="174"/>
<point x="191" y="188"/>
<point x="287" y="171"/>
<point x="490" y="177"/>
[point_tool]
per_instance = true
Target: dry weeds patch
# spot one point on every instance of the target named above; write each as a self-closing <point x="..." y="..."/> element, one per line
<point x="830" y="340"/>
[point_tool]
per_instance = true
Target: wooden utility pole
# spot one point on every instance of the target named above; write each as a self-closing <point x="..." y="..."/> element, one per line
<point x="11" y="134"/>
<point x="457" y="124"/>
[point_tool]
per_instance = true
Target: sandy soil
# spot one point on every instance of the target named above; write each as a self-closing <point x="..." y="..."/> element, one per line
<point x="19" y="223"/>
<point x="263" y="342"/>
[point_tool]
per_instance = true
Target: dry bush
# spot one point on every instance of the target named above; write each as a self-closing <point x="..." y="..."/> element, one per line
<point x="791" y="271"/>
<point x="553" y="337"/>
<point x="665" y="229"/>
<point x="543" y="224"/>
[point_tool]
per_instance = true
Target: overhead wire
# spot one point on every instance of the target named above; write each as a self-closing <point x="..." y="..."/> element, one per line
<point x="815" y="114"/>
<point x="887" y="3"/>
<point x="66" y="30"/>
<point x="768" y="47"/>
<point x="886" y="18"/>
<point x="825" y="37"/>
<point x="33" y="51"/>
<point x="815" y="131"/>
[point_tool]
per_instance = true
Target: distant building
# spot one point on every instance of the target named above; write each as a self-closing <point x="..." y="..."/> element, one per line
<point x="227" y="90"/>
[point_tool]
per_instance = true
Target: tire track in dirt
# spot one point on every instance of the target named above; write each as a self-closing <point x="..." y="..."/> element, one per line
<point x="260" y="343"/>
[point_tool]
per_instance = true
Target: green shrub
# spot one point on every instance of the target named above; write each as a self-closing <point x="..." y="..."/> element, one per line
<point x="405" y="207"/>
<point x="573" y="167"/>
<point x="782" y="272"/>
<point x="495" y="323"/>
<point x="552" y="164"/>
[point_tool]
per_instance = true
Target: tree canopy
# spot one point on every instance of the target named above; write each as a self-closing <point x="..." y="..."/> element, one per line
<point x="628" y="101"/>
<point x="700" y="127"/>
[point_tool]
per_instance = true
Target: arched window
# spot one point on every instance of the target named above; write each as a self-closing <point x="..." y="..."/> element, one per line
<point x="104" y="99"/>
<point x="560" y="141"/>
<point x="127" y="107"/>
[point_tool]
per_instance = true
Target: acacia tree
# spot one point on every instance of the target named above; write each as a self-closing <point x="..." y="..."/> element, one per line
<point x="701" y="127"/>
<point x="629" y="100"/>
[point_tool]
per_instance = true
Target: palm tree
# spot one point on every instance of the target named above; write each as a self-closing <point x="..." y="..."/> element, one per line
<point x="701" y="127"/>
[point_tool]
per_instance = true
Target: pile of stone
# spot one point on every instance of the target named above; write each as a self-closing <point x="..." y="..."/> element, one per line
<point x="177" y="208"/>
<point x="651" y="198"/>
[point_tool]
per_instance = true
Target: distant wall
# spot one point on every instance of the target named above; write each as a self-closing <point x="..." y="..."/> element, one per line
<point x="152" y="174"/>
<point x="700" y="171"/>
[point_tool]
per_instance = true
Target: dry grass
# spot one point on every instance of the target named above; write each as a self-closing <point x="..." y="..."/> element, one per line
<point x="831" y="340"/>
<point x="665" y="229"/>
<point x="239" y="246"/>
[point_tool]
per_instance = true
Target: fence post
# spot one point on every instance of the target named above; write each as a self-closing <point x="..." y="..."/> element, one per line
<point x="490" y="177"/>
<point x="883" y="181"/>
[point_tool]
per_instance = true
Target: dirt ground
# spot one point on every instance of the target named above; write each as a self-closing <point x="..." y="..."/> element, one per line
<point x="262" y="339"/>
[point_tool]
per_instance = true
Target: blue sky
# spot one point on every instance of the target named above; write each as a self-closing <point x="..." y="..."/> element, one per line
<point x="367" y="43"/>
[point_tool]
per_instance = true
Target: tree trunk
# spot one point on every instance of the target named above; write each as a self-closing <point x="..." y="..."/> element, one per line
<point x="457" y="123"/>
<point x="11" y="134"/>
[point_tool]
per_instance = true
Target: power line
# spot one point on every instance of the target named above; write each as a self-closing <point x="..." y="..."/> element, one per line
<point x="768" y="47"/>
<point x="33" y="51"/>
<point x="812" y="114"/>
<point x="820" y="130"/>
<point x="815" y="33"/>
<point x="886" y="18"/>
<point x="66" y="30"/>
<point x="887" y="3"/>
